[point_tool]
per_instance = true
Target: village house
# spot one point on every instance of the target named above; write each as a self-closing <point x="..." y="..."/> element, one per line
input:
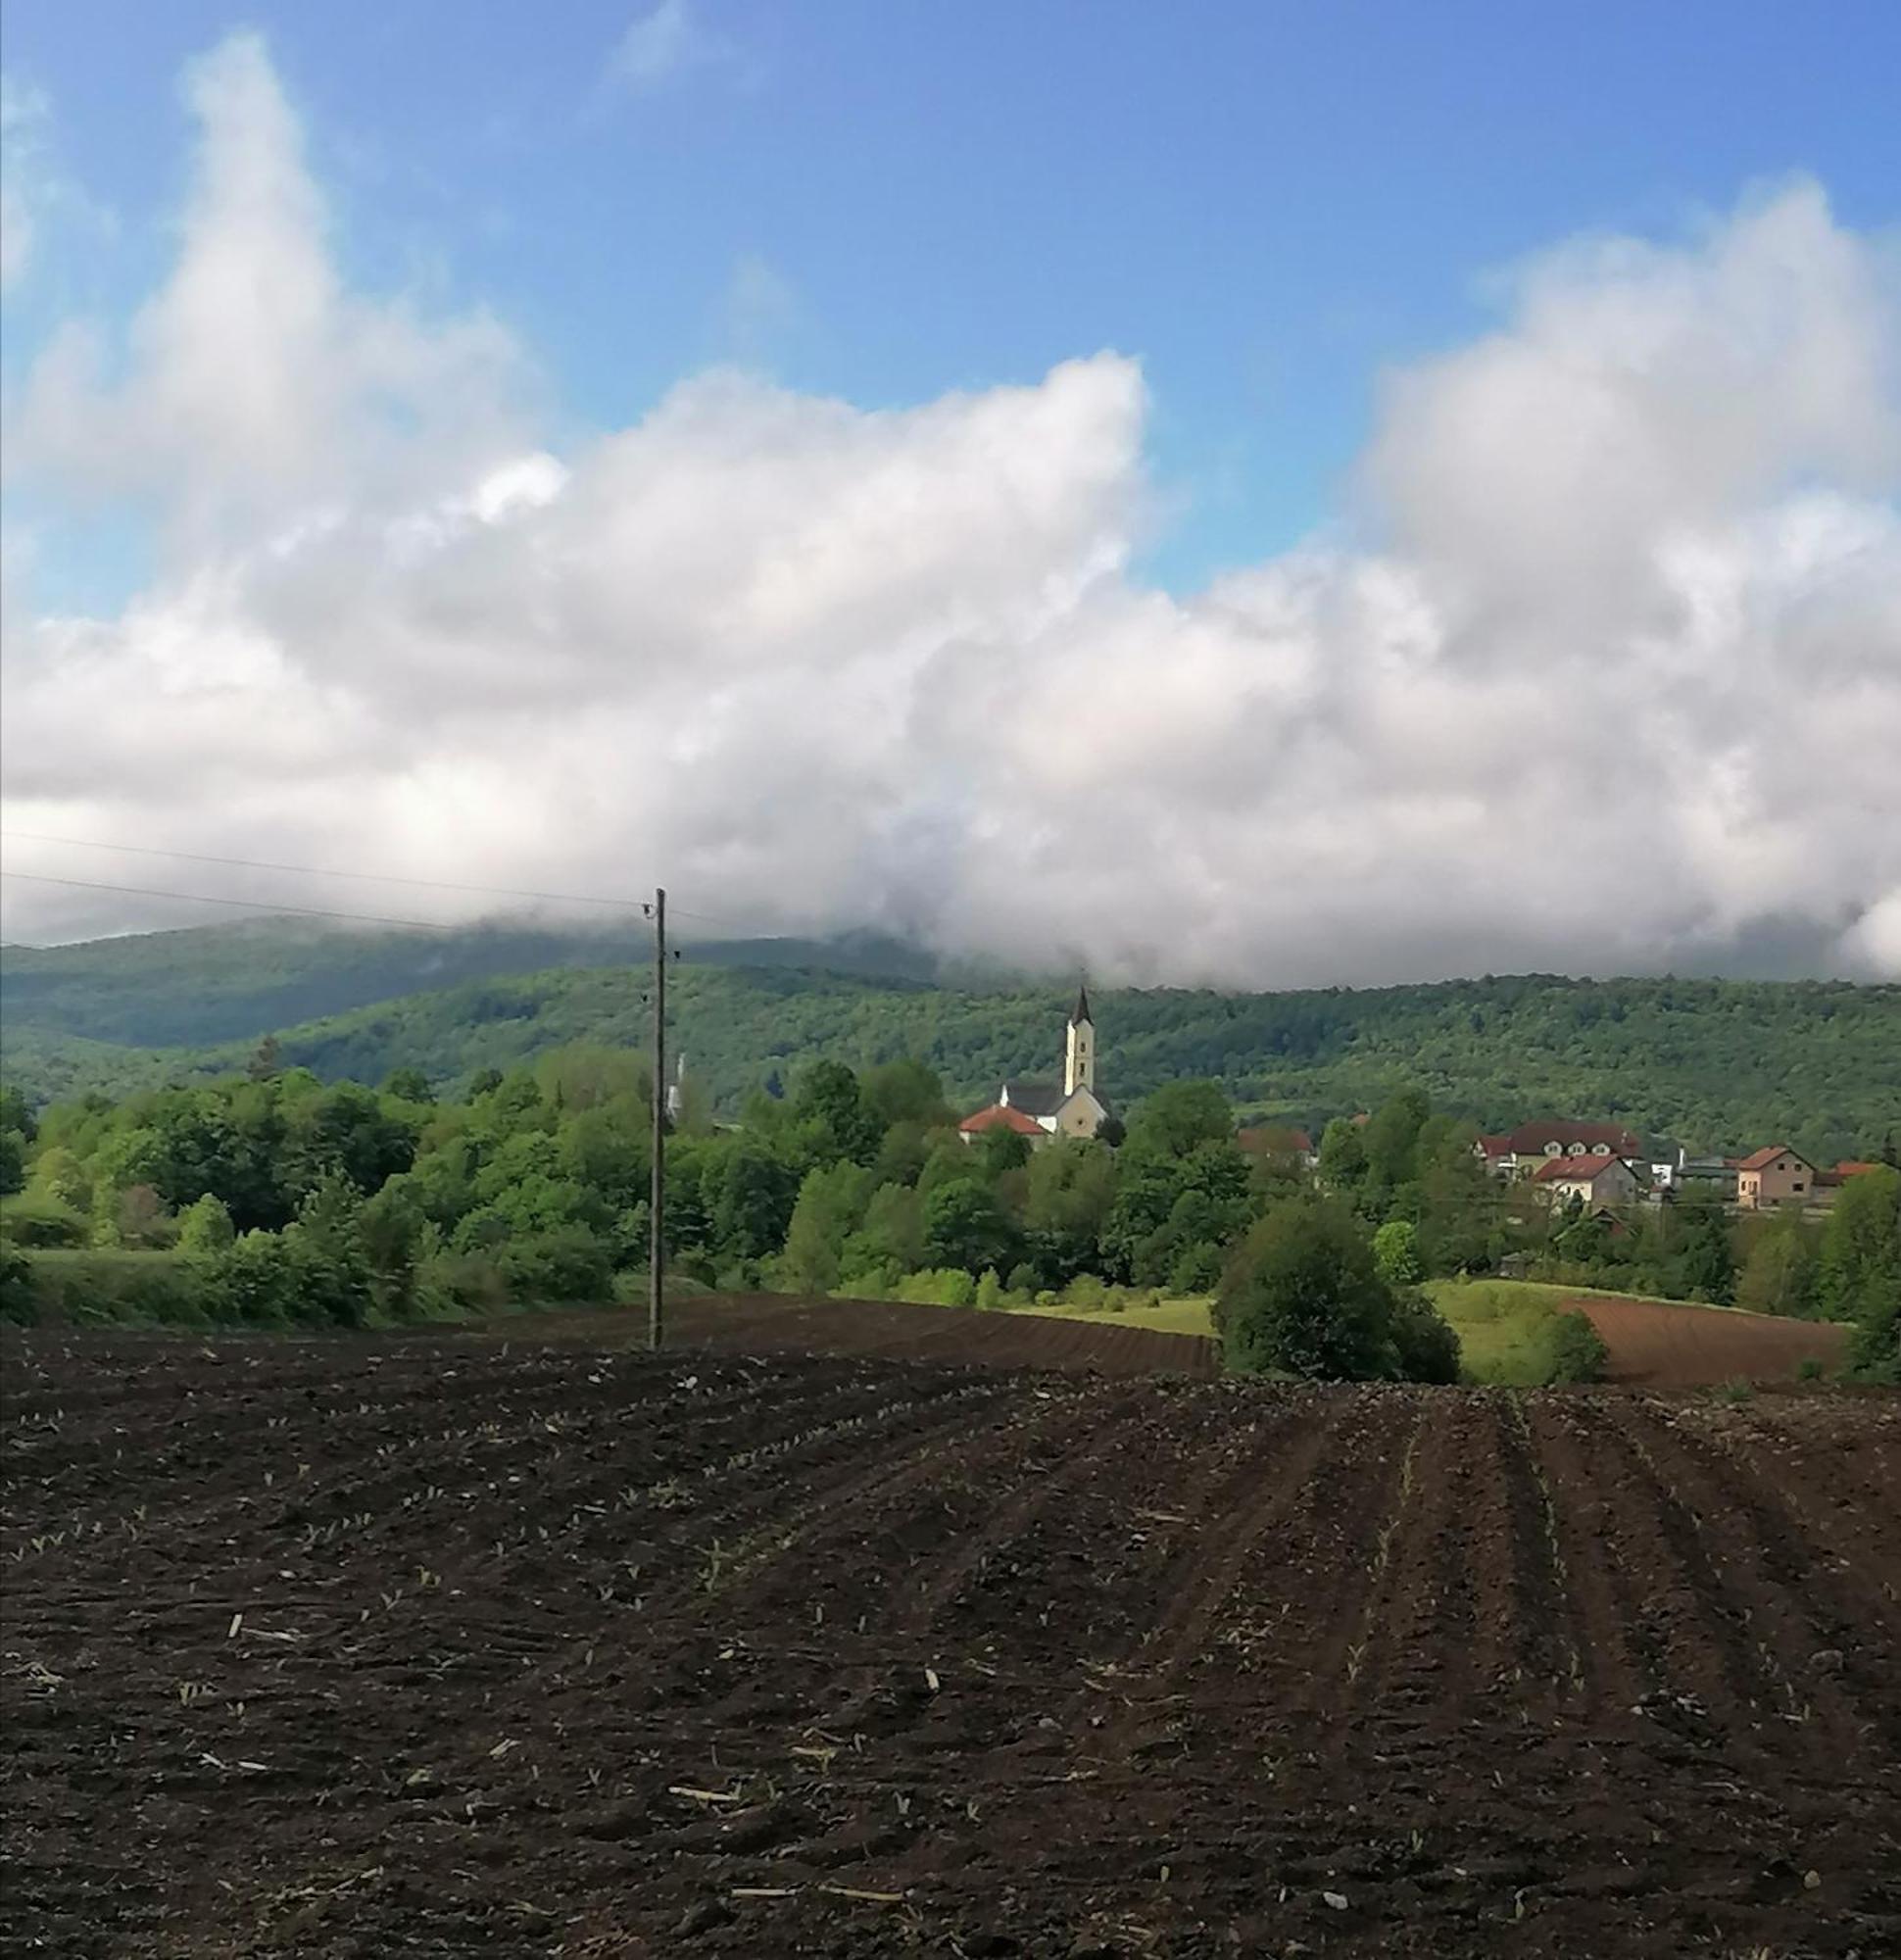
<point x="1519" y="1152"/>
<point x="1773" y="1175"/>
<point x="1263" y="1140"/>
<point x="1038" y="1111"/>
<point x="1593" y="1178"/>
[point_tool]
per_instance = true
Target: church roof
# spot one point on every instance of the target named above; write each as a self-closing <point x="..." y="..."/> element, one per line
<point x="1035" y="1098"/>
<point x="1081" y="1012"/>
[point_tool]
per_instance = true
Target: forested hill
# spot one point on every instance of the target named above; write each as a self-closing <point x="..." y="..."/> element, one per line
<point x="1712" y="1064"/>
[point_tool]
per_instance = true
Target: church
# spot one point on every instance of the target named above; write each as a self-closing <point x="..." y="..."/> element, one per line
<point x="1040" y="1109"/>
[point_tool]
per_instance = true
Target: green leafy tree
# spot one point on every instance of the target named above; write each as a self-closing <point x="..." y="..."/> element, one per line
<point x="16" y="1113"/>
<point x="1343" y="1156"/>
<point x="13" y="1162"/>
<point x="1172" y="1120"/>
<point x="1304" y="1296"/>
<point x="890" y="1243"/>
<point x="1781" y="1272"/>
<point x="204" y="1228"/>
<point x="1706" y="1265"/>
<point x="830" y="1207"/>
<point x="408" y="1085"/>
<point x="964" y="1226"/>
<point x="1860" y="1276"/>
<point x="1427" y="1346"/>
<point x="831" y="1118"/>
<point x="749" y="1192"/>
<point x="906" y="1092"/>
<point x="1395" y="1252"/>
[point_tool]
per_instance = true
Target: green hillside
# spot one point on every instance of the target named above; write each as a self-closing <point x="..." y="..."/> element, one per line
<point x="1712" y="1064"/>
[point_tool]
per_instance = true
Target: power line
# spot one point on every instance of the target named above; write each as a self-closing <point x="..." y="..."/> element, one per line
<point x="643" y="906"/>
<point x="247" y="905"/>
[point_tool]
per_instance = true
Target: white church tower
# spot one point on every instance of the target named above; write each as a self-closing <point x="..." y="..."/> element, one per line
<point x="1079" y="1050"/>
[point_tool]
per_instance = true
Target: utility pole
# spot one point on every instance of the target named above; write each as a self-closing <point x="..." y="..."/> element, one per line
<point x="657" y="1202"/>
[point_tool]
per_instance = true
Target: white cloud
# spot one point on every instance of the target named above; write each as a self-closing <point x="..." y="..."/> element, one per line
<point x="1618" y="686"/>
<point x="661" y="44"/>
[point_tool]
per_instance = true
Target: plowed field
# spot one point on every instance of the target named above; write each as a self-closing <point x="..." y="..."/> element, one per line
<point x="1661" y="1345"/>
<point x="472" y="1646"/>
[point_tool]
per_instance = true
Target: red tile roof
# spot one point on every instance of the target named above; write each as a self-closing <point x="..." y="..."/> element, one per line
<point x="1000" y="1116"/>
<point x="1762" y="1159"/>
<point x="1273" y="1137"/>
<point x="1854" y="1167"/>
<point x="1529" y="1139"/>
<point x="1558" y="1170"/>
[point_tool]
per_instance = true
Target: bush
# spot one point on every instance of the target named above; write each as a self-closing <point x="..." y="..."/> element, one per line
<point x="942" y="1286"/>
<point x="1395" y="1252"/>
<point x="1426" y="1344"/>
<point x="1197" y="1270"/>
<point x="569" y="1264"/>
<point x="1809" y="1369"/>
<point x="37" y="1222"/>
<point x="1302" y="1297"/>
<point x="1574" y="1350"/>
<point x="17" y="1302"/>
<point x="111" y="1288"/>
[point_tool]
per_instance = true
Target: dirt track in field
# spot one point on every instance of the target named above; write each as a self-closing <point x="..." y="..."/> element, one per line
<point x="1661" y="1345"/>
<point x="532" y="1646"/>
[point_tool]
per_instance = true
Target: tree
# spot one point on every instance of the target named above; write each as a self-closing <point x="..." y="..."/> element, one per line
<point x="1000" y="1152"/>
<point x="1343" y="1156"/>
<point x="263" y="1066"/>
<point x="1304" y="1296"/>
<point x="13" y="1162"/>
<point x="16" y="1113"/>
<point x="1780" y="1273"/>
<point x="1706" y="1267"/>
<point x="1177" y="1116"/>
<point x="906" y="1092"/>
<point x="830" y="1118"/>
<point x="964" y="1226"/>
<point x="891" y="1242"/>
<point x="1390" y="1142"/>
<point x="204" y="1228"/>
<point x="1395" y="1252"/>
<point x="749" y="1194"/>
<point x="830" y="1207"/>
<point x="408" y="1085"/>
<point x="1860" y="1277"/>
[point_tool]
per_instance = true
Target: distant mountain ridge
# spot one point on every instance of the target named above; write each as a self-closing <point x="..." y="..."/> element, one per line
<point x="1711" y="1063"/>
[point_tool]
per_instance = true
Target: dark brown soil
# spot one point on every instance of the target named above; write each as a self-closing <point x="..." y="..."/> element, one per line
<point x="1666" y="1344"/>
<point x="537" y="1645"/>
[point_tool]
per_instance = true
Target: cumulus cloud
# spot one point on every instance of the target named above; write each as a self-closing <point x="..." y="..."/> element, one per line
<point x="1613" y="685"/>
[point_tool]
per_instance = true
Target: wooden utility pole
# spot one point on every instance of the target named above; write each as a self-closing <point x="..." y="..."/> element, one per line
<point x="657" y="1202"/>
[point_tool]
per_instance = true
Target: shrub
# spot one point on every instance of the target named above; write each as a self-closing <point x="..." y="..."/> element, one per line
<point x="1574" y="1350"/>
<point x="114" y="1289"/>
<point x="942" y="1286"/>
<point x="1426" y="1344"/>
<point x="36" y="1221"/>
<point x="1734" y="1392"/>
<point x="204" y="1228"/>
<point x="1809" y="1369"/>
<point x="17" y="1302"/>
<point x="1395" y="1252"/>
<point x="569" y="1264"/>
<point x="1197" y="1270"/>
<point x="1302" y="1296"/>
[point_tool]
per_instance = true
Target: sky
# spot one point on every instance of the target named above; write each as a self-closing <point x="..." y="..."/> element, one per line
<point x="1269" y="495"/>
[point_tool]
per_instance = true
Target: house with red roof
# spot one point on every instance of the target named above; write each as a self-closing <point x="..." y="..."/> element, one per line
<point x="1519" y="1152"/>
<point x="1593" y="1177"/>
<point x="1773" y="1175"/>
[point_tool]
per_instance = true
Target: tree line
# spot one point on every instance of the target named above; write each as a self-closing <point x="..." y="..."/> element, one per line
<point x="287" y="1201"/>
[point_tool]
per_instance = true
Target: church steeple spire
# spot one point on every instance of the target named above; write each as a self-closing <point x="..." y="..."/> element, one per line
<point x="1079" y="1047"/>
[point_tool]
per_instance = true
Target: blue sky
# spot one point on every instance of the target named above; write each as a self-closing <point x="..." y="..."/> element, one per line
<point x="1268" y="205"/>
<point x="988" y="464"/>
